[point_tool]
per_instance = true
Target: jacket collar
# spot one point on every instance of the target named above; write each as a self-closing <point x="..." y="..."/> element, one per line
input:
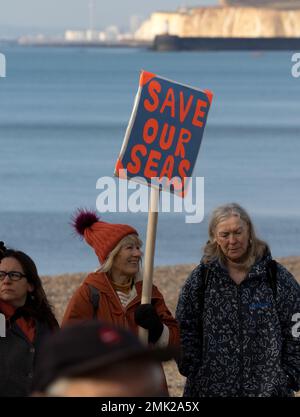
<point x="101" y="281"/>
<point x="259" y="268"/>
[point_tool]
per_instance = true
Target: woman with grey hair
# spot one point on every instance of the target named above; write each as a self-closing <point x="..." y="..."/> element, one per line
<point x="237" y="313"/>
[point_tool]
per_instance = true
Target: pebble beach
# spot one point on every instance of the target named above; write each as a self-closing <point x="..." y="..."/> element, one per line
<point x="169" y="279"/>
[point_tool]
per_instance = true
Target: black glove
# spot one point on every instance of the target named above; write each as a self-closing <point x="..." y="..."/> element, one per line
<point x="146" y="316"/>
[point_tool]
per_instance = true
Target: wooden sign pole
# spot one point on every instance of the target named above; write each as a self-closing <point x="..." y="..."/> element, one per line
<point x="149" y="255"/>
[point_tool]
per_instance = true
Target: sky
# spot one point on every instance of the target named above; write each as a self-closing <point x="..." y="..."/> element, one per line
<point x="51" y="16"/>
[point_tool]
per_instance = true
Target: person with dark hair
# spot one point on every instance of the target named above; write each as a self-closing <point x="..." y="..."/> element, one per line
<point x="29" y="318"/>
<point x="97" y="359"/>
<point x="2" y="248"/>
<point x="237" y="314"/>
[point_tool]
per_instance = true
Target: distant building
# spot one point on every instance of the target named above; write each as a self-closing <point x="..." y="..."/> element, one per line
<point x="92" y="35"/>
<point x="75" y="35"/>
<point x="112" y="33"/>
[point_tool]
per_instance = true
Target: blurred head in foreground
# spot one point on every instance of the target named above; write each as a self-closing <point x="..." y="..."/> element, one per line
<point x="2" y="249"/>
<point x="96" y="359"/>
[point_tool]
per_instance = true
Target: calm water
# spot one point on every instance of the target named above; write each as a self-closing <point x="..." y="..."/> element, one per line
<point x="63" y="115"/>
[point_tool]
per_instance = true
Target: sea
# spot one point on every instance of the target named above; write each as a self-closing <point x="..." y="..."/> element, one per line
<point x="63" y="117"/>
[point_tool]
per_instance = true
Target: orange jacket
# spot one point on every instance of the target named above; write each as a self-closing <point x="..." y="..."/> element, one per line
<point x="111" y="309"/>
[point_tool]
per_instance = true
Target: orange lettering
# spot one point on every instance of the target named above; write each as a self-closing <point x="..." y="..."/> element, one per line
<point x="198" y="113"/>
<point x="163" y="143"/>
<point x="184" y="137"/>
<point x="167" y="169"/>
<point x="153" y="88"/>
<point x="184" y="164"/>
<point x="184" y="111"/>
<point x="151" y="124"/>
<point x="134" y="167"/>
<point x="169" y="102"/>
<point x="151" y="163"/>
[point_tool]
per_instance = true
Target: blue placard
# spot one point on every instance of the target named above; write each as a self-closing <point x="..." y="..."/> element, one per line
<point x="164" y="134"/>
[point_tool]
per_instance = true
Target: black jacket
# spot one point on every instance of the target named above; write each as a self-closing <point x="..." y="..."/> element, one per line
<point x="241" y="342"/>
<point x="17" y="360"/>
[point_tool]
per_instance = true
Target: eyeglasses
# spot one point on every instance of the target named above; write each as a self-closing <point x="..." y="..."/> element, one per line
<point x="12" y="275"/>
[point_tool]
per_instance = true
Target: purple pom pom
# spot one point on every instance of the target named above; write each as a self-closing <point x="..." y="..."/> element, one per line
<point x="83" y="219"/>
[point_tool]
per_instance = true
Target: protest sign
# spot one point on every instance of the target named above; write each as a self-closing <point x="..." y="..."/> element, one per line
<point x="164" y="134"/>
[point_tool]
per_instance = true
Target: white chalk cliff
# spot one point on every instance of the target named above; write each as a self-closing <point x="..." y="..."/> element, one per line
<point x="223" y="21"/>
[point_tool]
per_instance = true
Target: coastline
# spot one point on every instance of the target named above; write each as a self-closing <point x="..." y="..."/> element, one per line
<point x="169" y="279"/>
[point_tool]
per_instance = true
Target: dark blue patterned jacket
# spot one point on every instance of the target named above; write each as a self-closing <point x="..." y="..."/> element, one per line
<point x="246" y="343"/>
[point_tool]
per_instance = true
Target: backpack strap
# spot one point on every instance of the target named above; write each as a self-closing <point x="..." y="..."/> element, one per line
<point x="94" y="298"/>
<point x="272" y="277"/>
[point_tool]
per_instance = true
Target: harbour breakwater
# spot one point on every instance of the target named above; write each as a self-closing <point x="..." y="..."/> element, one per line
<point x="177" y="43"/>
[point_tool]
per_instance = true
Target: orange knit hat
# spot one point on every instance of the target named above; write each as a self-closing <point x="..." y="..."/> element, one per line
<point x="101" y="236"/>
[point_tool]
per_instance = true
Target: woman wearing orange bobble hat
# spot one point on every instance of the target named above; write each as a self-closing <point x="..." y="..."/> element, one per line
<point x="113" y="293"/>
